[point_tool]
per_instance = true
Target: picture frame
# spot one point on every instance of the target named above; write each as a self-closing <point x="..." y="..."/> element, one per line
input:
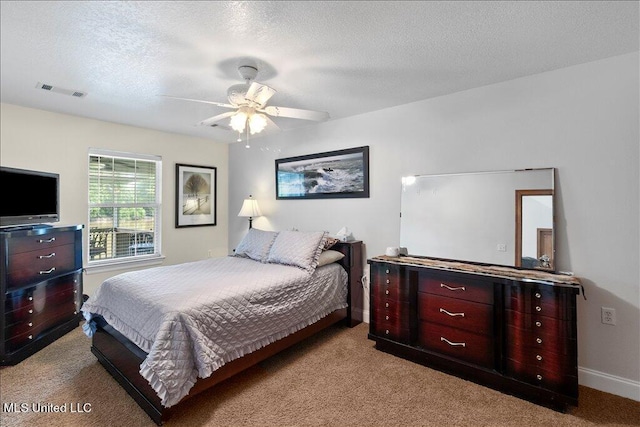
<point x="196" y="201"/>
<point x="329" y="175"/>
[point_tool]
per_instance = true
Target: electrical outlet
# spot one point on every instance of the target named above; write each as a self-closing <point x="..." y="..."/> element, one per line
<point x="501" y="247"/>
<point x="608" y="316"/>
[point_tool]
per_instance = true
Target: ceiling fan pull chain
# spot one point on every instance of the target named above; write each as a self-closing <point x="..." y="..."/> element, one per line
<point x="247" y="130"/>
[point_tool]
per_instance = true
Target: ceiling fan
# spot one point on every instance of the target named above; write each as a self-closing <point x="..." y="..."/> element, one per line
<point x="248" y="100"/>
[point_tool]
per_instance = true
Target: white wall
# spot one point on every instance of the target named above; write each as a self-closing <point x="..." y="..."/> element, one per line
<point x="583" y="120"/>
<point x="41" y="140"/>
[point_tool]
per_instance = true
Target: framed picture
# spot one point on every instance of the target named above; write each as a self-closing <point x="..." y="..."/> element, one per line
<point x="330" y="175"/>
<point x="195" y="195"/>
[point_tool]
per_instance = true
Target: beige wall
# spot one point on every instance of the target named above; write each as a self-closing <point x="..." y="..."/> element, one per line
<point x="582" y="120"/>
<point x="41" y="140"/>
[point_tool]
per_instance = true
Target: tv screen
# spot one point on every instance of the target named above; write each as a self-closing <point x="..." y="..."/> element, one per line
<point x="28" y="197"/>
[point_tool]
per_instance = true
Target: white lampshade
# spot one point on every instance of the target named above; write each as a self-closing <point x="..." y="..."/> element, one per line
<point x="250" y="208"/>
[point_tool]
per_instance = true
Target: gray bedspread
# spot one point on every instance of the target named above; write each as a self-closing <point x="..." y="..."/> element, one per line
<point x="193" y="318"/>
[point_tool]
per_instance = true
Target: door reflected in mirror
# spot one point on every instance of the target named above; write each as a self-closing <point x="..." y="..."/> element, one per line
<point x="534" y="229"/>
<point x="502" y="217"/>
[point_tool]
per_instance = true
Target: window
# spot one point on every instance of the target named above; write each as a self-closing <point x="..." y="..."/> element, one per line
<point x="124" y="207"/>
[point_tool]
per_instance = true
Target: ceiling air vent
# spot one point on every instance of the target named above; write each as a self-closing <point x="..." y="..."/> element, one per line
<point x="63" y="91"/>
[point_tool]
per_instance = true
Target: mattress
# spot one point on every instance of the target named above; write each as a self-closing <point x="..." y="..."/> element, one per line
<point x="193" y="318"/>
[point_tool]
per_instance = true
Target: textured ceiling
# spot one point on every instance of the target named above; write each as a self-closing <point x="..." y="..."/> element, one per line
<point x="346" y="58"/>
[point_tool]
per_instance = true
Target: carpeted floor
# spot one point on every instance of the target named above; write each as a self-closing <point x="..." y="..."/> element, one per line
<point x="336" y="378"/>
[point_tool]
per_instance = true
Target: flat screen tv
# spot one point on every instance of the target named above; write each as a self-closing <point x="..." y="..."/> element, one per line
<point x="28" y="197"/>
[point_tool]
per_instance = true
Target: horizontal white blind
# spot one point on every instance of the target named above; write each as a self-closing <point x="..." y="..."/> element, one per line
<point x="124" y="206"/>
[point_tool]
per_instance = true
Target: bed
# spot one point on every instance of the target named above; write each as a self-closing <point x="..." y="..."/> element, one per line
<point x="168" y="333"/>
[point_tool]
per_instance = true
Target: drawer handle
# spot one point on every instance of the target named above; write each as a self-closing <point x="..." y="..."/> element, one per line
<point x="30" y="324"/>
<point x="53" y="239"/>
<point x="538" y="323"/>
<point x="388" y="281"/>
<point x="387" y="271"/>
<point x="454" y="344"/>
<point x="538" y="308"/>
<point x="386" y="332"/>
<point x="538" y="357"/>
<point x="538" y="295"/>
<point x="386" y="292"/>
<point x="386" y="317"/>
<point x="30" y="337"/>
<point x="461" y="288"/>
<point x="386" y="304"/>
<point x="539" y="340"/>
<point x="30" y="311"/>
<point x="30" y="298"/>
<point x="539" y="377"/>
<point x="49" y="271"/>
<point x="51" y="255"/>
<point x="442" y="310"/>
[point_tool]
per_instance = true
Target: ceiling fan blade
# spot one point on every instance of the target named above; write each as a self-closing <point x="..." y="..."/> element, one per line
<point x="271" y="124"/>
<point x="219" y="104"/>
<point x="212" y="120"/>
<point x="259" y="94"/>
<point x="294" y="113"/>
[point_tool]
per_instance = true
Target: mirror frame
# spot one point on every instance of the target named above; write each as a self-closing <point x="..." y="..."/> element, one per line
<point x="519" y="195"/>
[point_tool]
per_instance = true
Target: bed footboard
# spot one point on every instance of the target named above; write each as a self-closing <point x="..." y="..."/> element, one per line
<point x="122" y="360"/>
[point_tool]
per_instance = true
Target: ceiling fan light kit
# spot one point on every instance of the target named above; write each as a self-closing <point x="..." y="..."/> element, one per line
<point x="249" y="99"/>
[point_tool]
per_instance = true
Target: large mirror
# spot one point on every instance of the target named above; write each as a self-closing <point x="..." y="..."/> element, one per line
<point x="503" y="217"/>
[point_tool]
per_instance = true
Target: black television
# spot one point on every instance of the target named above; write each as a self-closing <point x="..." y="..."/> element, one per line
<point x="28" y="197"/>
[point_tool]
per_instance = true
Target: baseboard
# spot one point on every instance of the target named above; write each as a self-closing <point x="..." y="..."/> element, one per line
<point x="365" y="316"/>
<point x="609" y="383"/>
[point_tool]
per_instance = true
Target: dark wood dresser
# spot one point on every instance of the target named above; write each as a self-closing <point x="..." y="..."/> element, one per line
<point x="40" y="287"/>
<point x="510" y="329"/>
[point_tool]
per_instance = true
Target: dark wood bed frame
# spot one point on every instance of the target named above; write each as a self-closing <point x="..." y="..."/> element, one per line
<point x="122" y="359"/>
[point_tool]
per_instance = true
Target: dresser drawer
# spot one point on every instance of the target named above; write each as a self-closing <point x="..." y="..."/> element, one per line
<point x="23" y="333"/>
<point x="25" y="303"/>
<point x="38" y="265"/>
<point x="460" y="344"/>
<point x="558" y="380"/>
<point x="47" y="241"/>
<point x="541" y="325"/>
<point x="545" y="358"/>
<point x="395" y="293"/>
<point x="475" y="291"/>
<point x="547" y="301"/>
<point x="390" y="319"/>
<point x="42" y="320"/>
<point x="457" y="313"/>
<point x="392" y="332"/>
<point x="386" y="275"/>
<point x="387" y="283"/>
<point x="555" y="341"/>
<point x="392" y="312"/>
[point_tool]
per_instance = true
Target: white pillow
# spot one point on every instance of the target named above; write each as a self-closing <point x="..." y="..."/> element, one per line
<point x="328" y="256"/>
<point x="256" y="244"/>
<point x="297" y="248"/>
